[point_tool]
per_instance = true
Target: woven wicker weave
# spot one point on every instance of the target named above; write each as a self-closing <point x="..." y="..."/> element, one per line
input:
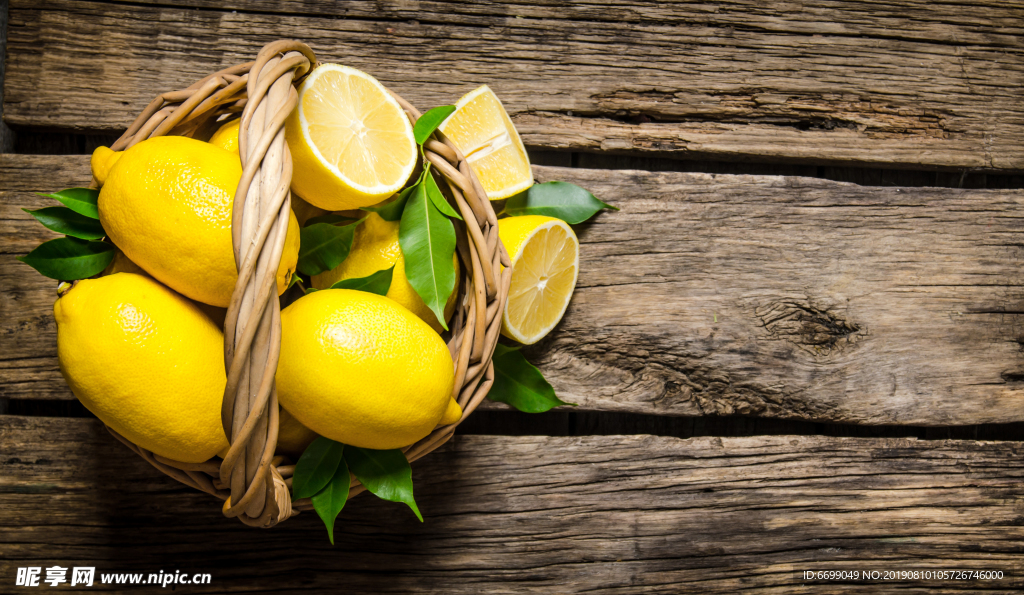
<point x="254" y="484"/>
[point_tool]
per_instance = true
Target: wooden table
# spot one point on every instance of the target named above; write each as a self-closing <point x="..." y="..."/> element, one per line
<point x="863" y="318"/>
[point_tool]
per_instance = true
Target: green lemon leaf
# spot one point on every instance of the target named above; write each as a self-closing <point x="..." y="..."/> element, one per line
<point x="434" y="193"/>
<point x="429" y="122"/>
<point x="329" y="501"/>
<point x="331" y="218"/>
<point x="64" y="220"/>
<point x="80" y="200"/>
<point x="386" y="473"/>
<point x="427" y="239"/>
<point x="563" y="200"/>
<point x="393" y="210"/>
<point x="316" y="467"/>
<point x="69" y="259"/>
<point x="323" y="246"/>
<point x="379" y="282"/>
<point x="295" y="279"/>
<point x="520" y="384"/>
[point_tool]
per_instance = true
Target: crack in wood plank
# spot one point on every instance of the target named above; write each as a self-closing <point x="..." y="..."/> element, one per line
<point x="820" y="331"/>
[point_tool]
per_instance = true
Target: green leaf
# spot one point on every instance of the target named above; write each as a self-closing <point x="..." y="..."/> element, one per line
<point x="295" y="279"/>
<point x="331" y="218"/>
<point x="316" y="467"/>
<point x="393" y="210"/>
<point x="323" y="246"/>
<point x="434" y="193"/>
<point x="563" y="200"/>
<point x="427" y="239"/>
<point x="329" y="501"/>
<point x="520" y="384"/>
<point x="80" y="200"/>
<point x="64" y="220"/>
<point x="69" y="259"/>
<point x="386" y="473"/>
<point x="429" y="122"/>
<point x="379" y="282"/>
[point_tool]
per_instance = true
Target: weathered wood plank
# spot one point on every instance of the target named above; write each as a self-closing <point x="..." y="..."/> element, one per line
<point x="978" y="23"/>
<point x="773" y="296"/>
<point x="6" y="135"/>
<point x="608" y="514"/>
<point x="913" y="84"/>
<point x="28" y="360"/>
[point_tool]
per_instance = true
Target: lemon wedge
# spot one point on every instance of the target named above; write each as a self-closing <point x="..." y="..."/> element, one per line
<point x="545" y="263"/>
<point x="352" y="144"/>
<point x="482" y="130"/>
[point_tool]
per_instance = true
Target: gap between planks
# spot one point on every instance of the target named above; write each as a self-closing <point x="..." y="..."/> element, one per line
<point x="498" y="420"/>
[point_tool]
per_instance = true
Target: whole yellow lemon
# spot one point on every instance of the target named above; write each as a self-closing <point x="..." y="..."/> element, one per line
<point x="359" y="369"/>
<point x="122" y="264"/>
<point x="166" y="203"/>
<point x="146" y="362"/>
<point x="226" y="136"/>
<point x="375" y="247"/>
<point x="103" y="158"/>
<point x="292" y="436"/>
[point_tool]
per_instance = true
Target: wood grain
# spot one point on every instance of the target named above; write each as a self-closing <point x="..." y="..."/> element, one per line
<point x="794" y="297"/>
<point x="605" y="514"/>
<point x="907" y="84"/>
<point x="716" y="295"/>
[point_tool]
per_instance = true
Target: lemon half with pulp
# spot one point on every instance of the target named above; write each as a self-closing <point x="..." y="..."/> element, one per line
<point x="545" y="264"/>
<point x="351" y="142"/>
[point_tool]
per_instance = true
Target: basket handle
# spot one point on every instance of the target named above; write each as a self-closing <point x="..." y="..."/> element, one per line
<point x="263" y="90"/>
<point x="252" y="327"/>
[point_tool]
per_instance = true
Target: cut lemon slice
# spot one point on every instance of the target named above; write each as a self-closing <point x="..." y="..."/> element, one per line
<point x="484" y="133"/>
<point x="351" y="143"/>
<point x="545" y="262"/>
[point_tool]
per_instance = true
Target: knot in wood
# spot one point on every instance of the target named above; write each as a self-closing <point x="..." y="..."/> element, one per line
<point x="817" y="330"/>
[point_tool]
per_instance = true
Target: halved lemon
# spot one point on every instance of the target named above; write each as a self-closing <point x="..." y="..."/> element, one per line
<point x="351" y="143"/>
<point x="545" y="263"/>
<point x="482" y="130"/>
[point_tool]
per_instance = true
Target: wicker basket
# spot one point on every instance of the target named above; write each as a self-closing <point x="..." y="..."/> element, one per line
<point x="254" y="484"/>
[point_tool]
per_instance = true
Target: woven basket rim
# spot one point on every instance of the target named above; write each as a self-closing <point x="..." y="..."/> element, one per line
<point x="252" y="480"/>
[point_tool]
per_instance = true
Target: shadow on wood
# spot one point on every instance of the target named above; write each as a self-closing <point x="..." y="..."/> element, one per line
<point x="622" y="514"/>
